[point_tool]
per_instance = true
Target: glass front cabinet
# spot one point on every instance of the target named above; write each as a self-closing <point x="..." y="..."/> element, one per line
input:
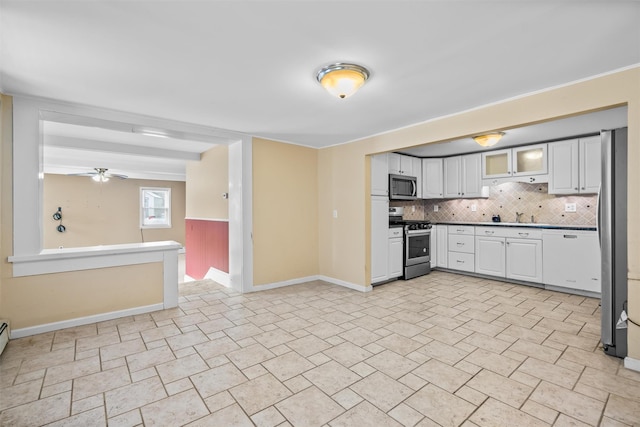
<point x="520" y="161"/>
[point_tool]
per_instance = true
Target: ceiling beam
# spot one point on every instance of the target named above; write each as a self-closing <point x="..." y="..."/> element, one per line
<point x="112" y="147"/>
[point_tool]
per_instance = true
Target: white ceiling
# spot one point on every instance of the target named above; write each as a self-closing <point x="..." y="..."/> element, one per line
<point x="249" y="66"/>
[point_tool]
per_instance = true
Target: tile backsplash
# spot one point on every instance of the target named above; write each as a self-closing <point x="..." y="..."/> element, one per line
<point x="505" y="200"/>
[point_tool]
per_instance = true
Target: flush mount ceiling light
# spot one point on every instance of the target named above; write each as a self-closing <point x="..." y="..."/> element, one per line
<point x="489" y="139"/>
<point x="342" y="80"/>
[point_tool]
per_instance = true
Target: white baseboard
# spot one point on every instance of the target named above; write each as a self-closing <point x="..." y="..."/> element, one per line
<point x="79" y="321"/>
<point x="633" y="364"/>
<point x="310" y="279"/>
<point x="218" y="276"/>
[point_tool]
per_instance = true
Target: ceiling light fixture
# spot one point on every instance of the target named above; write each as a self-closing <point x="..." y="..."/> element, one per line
<point x="100" y="175"/>
<point x="489" y="139"/>
<point x="342" y="80"/>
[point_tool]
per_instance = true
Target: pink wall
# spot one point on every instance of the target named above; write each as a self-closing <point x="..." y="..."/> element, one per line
<point x="207" y="245"/>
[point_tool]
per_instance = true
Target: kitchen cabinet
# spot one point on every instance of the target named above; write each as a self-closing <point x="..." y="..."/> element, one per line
<point x="417" y="170"/>
<point x="432" y="247"/>
<point x="462" y="176"/>
<point x="379" y="175"/>
<point x="400" y="164"/>
<point x="396" y="261"/>
<point x="432" y="183"/>
<point x="441" y="248"/>
<point x="379" y="239"/>
<point x="514" y="253"/>
<point x="461" y="248"/>
<point x="571" y="259"/>
<point x="575" y="166"/>
<point x="524" y="163"/>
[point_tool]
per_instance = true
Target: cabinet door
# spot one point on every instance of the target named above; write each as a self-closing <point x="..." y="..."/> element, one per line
<point x="471" y="175"/>
<point x="441" y="246"/>
<point x="432" y="187"/>
<point x="379" y="238"/>
<point x="379" y="175"/>
<point x="461" y="261"/>
<point x="433" y="252"/>
<point x="530" y="160"/>
<point x="496" y="164"/>
<point x="590" y="164"/>
<point x="394" y="164"/>
<point x="490" y="256"/>
<point x="452" y="177"/>
<point x="524" y="260"/>
<point x="395" y="258"/>
<point x="406" y="166"/>
<point x="417" y="172"/>
<point x="563" y="167"/>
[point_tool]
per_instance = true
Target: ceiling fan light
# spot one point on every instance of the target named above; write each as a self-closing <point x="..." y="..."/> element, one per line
<point x="342" y="80"/>
<point x="489" y="139"/>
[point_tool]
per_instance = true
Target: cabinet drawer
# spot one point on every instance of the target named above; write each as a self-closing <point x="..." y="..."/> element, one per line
<point x="523" y="233"/>
<point x="460" y="243"/>
<point x="461" y="261"/>
<point x="395" y="232"/>
<point x="462" y="229"/>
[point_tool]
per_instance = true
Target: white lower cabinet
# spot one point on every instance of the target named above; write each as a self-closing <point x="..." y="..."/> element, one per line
<point x="490" y="255"/>
<point x="524" y="259"/>
<point x="441" y="249"/>
<point x="461" y="248"/>
<point x="395" y="252"/>
<point x="572" y="260"/>
<point x="379" y="239"/>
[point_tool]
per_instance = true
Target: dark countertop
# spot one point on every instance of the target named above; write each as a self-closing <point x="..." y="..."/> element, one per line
<point x="520" y="224"/>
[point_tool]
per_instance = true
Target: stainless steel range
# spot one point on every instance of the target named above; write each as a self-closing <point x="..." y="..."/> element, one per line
<point x="417" y="244"/>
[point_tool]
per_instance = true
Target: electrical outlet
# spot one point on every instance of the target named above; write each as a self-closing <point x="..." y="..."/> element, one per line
<point x="474" y="208"/>
<point x="413" y="208"/>
<point x="335" y="213"/>
<point x="436" y="208"/>
<point x="569" y="207"/>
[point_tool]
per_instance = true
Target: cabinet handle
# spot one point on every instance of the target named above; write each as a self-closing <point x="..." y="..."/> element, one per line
<point x="523" y="234"/>
<point x="576" y="188"/>
<point x="460" y="244"/>
<point x="583" y="188"/>
<point x="489" y="232"/>
<point x="459" y="230"/>
<point x="570" y="236"/>
<point x="571" y="281"/>
<point x="460" y="262"/>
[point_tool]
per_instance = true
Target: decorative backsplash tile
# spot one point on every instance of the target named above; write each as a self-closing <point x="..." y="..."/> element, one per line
<point x="505" y="200"/>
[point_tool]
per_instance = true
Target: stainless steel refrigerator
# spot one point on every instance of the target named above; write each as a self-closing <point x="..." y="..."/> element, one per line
<point x="612" y="231"/>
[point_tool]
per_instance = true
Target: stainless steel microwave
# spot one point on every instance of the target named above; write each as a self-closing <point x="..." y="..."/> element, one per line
<point x="403" y="187"/>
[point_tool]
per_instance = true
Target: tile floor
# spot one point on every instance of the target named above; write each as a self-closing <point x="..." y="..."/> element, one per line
<point x="441" y="349"/>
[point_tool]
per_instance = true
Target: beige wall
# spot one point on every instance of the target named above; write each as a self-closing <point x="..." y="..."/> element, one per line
<point x="207" y="180"/>
<point x="34" y="300"/>
<point x="105" y="213"/>
<point x="285" y="211"/>
<point x="344" y="241"/>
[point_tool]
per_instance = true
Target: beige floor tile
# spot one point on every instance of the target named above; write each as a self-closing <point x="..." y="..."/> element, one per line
<point x="440" y="406"/>
<point x="189" y="339"/>
<point x="541" y="352"/>
<point x="597" y="360"/>
<point x="218" y="379"/>
<point x="347" y="353"/>
<point x="216" y="347"/>
<point x="484" y="328"/>
<point x="486" y="342"/>
<point x="495" y="413"/>
<point x="360" y="336"/>
<point x="405" y="329"/>
<point x="442" y="375"/>
<point x="568" y="402"/>
<point x="259" y="393"/>
<point x="100" y="382"/>
<point x="623" y="410"/>
<point x="94" y="417"/>
<point x="47" y="360"/>
<point x="347" y="398"/>
<point x="399" y="343"/>
<point x="149" y="358"/>
<point x="382" y="391"/>
<point x="525" y="334"/>
<point x="541" y="412"/>
<point x="132" y="327"/>
<point x="288" y="365"/>
<point x="444" y="352"/>
<point x="391" y="364"/>
<point x="160" y="333"/>
<point x="219" y="401"/>
<point x="308" y="345"/>
<point x="181" y="368"/>
<point x="494" y="362"/>
<point x="269" y="417"/>
<point x="116" y="351"/>
<point x="552" y="373"/>
<point x="501" y="388"/>
<point x="215" y="325"/>
<point x="565" y="421"/>
<point x="249" y="356"/>
<point x="175" y="410"/>
<point x="136" y="395"/>
<point x="293" y="324"/>
<point x="89" y="343"/>
<point x="406" y="415"/>
<point x="471" y="395"/>
<point x="19" y="394"/>
<point x="608" y="422"/>
<point x="331" y="377"/>
<point x="274" y="337"/>
<point x="581" y="342"/>
<point x="39" y="412"/>
<point x="364" y="414"/>
<point x="310" y="408"/>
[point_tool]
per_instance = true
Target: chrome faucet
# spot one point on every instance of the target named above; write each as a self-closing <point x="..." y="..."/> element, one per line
<point x="518" y="216"/>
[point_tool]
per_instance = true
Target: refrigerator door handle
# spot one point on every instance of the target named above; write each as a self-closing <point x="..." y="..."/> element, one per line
<point x="598" y="204"/>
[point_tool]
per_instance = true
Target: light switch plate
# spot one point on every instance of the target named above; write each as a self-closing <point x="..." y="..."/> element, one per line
<point x="436" y="208"/>
<point x="335" y="213"/>
<point x="569" y="207"/>
<point x="474" y="208"/>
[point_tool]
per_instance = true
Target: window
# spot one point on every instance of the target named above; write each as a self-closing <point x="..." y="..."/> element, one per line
<point x="155" y="207"/>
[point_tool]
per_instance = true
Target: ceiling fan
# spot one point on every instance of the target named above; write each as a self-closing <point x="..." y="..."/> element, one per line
<point x="100" y="175"/>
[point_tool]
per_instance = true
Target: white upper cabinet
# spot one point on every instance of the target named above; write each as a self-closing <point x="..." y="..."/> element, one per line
<point x="462" y="176"/>
<point x="432" y="185"/>
<point x="401" y="165"/>
<point x="520" y="164"/>
<point x="575" y="166"/>
<point x="379" y="175"/>
<point x="417" y="170"/>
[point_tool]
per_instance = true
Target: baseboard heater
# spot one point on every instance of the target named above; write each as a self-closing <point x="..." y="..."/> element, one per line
<point x="4" y="336"/>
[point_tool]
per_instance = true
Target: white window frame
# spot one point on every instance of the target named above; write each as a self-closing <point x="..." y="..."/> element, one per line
<point x="166" y="224"/>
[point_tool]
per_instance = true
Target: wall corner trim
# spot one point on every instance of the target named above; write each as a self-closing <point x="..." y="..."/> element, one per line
<point x="218" y="276"/>
<point x="79" y="321"/>
<point x="633" y="364"/>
